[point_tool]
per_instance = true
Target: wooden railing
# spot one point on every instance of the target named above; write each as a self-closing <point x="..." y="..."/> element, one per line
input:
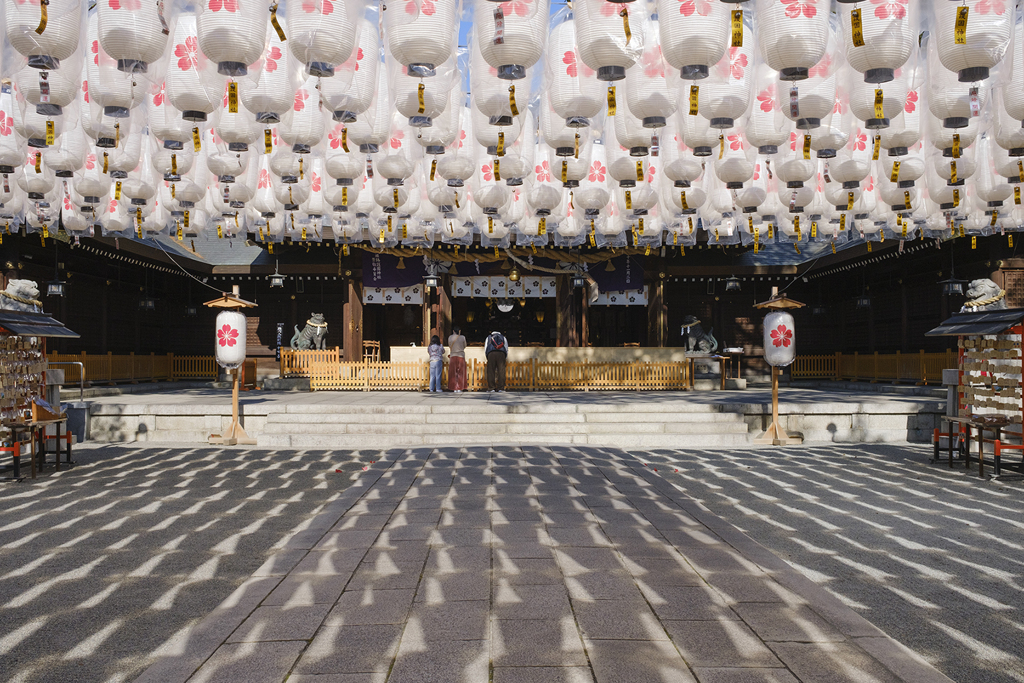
<point x="918" y="368"/>
<point x="109" y="368"/>
<point x="326" y="371"/>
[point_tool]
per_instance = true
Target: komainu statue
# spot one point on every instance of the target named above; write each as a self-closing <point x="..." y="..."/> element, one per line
<point x="21" y="295"/>
<point x="313" y="335"/>
<point x="984" y="295"/>
<point x="697" y="340"/>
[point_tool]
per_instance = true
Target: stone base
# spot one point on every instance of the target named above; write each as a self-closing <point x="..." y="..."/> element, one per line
<point x="287" y="384"/>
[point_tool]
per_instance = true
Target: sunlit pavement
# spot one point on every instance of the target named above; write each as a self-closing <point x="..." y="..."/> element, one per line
<point x="523" y="565"/>
<point x="101" y="564"/>
<point x="930" y="555"/>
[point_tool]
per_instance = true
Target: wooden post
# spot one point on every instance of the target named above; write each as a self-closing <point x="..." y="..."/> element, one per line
<point x="775" y="434"/>
<point x="353" y="322"/>
<point x="110" y="368"/>
<point x="235" y="434"/>
<point x="924" y="371"/>
<point x="838" y="369"/>
<point x="566" y="320"/>
<point x="896" y="380"/>
<point x="656" y="315"/>
<point x="170" y="367"/>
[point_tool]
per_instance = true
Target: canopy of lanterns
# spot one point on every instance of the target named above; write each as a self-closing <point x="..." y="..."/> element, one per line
<point x="605" y="123"/>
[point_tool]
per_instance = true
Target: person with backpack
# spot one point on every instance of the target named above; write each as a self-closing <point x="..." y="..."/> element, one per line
<point x="496" y="352"/>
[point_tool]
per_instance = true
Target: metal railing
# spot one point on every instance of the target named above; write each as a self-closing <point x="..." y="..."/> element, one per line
<point x="81" y="375"/>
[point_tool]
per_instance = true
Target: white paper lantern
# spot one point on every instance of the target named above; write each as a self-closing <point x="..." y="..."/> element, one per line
<point x="115" y="91"/>
<point x="193" y="85"/>
<point x="601" y="38"/>
<point x="987" y="35"/>
<point x="422" y="34"/>
<point x="233" y="34"/>
<point x="134" y="33"/>
<point x="766" y="127"/>
<point x="61" y="87"/>
<point x="651" y="88"/>
<point x="574" y="91"/>
<point x="322" y="33"/>
<point x="521" y="40"/>
<point x="556" y="132"/>
<point x="59" y="39"/>
<point x="696" y="132"/>
<point x="350" y="91"/>
<point x="32" y="125"/>
<point x="303" y="125"/>
<point x="371" y="129"/>
<point x="953" y="102"/>
<point x="815" y="96"/>
<point x="445" y="127"/>
<point x="12" y="149"/>
<point x="631" y="134"/>
<point x="69" y="153"/>
<point x="725" y="96"/>
<point x="736" y="165"/>
<point x="230" y="341"/>
<point x="694" y="34"/>
<point x="888" y="32"/>
<point x="627" y="170"/>
<point x="779" y="339"/>
<point x="418" y="100"/>
<point x="792" y="35"/>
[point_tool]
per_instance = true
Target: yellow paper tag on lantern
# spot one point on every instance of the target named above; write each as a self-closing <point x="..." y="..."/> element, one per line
<point x="576" y="146"/>
<point x="46" y="233"/>
<point x="457" y="201"/>
<point x="433" y="168"/>
<point x="842" y="222"/>
<point x="1016" y="195"/>
<point x="381" y="240"/>
<point x="233" y="97"/>
<point x="647" y="251"/>
<point x="268" y="141"/>
<point x="542" y="226"/>
<point x="629" y="201"/>
<point x="501" y="143"/>
<point x="611" y="100"/>
<point x="565" y="171"/>
<point x="694" y="96"/>
<point x="960" y="27"/>
<point x="858" y="29"/>
<point x="117" y="190"/>
<point x="512" y="100"/>
<point x="301" y="173"/>
<point x="39" y="163"/>
<point x="721" y="147"/>
<point x="877" y="149"/>
<point x="172" y="191"/>
<point x="833" y="246"/>
<point x="906" y="198"/>
<point x="869" y="246"/>
<point x="956" y="197"/>
<point x="895" y="175"/>
<point x="796" y="226"/>
<point x="344" y="196"/>
<point x="405" y="230"/>
<point x="303" y="233"/>
<point x="974" y="242"/>
<point x="50" y="137"/>
<point x="497" y="169"/>
<point x="995" y="216"/>
<point x="196" y="142"/>
<point x="394" y="194"/>
<point x="807" y="146"/>
<point x="1020" y="171"/>
<point x="903" y="224"/>
<point x="1009" y="240"/>
<point x="220" y="231"/>
<point x="42" y="16"/>
<point x="260" y="229"/>
<point x="849" y="201"/>
<point x="624" y="13"/>
<point x="419" y="98"/>
<point x="737" y="28"/>
<point x="186" y="219"/>
<point x="956" y="146"/>
<point x="879" y="99"/>
<point x="682" y="200"/>
<point x="639" y="171"/>
<point x="814" y="230"/>
<point x="952" y="172"/>
<point x="270" y="247"/>
<point x="276" y="24"/>
<point x="106" y="160"/>
<point x="796" y="248"/>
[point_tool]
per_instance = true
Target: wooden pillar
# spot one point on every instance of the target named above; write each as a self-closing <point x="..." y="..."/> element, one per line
<point x="444" y="313"/>
<point x="904" y="322"/>
<point x="656" y="314"/>
<point x="104" y="308"/>
<point x="428" y="314"/>
<point x="585" y="317"/>
<point x="564" y="302"/>
<point x="353" y="321"/>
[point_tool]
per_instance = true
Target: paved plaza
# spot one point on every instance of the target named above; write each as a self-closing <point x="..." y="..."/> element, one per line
<point x="509" y="564"/>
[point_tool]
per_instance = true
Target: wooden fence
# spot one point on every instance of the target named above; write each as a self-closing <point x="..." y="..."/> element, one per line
<point x="109" y="368"/>
<point x="918" y="368"/>
<point x="326" y="371"/>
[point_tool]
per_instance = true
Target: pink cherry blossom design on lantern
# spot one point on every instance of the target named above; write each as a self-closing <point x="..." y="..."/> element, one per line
<point x="609" y="9"/>
<point x="650" y="174"/>
<point x="839" y="107"/>
<point x="822" y="68"/>
<point x="737" y="62"/>
<point x="871" y="183"/>
<point x="735" y="142"/>
<point x="425" y="7"/>
<point x="396" y="139"/>
<point x="158" y="98"/>
<point x="792" y="141"/>
<point x="654" y="67"/>
<point x="991" y="7"/>
<point x="462" y="138"/>
<point x="113" y="206"/>
<point x="85" y="89"/>
<point x="324" y="7"/>
<point x="543" y="172"/>
<point x="125" y="4"/>
<point x="767" y="99"/>
<point x="894" y="8"/>
<point x="359" y="57"/>
<point x="794" y="8"/>
<point x="911" y="102"/>
<point x="860" y="143"/>
<point x="570" y="59"/>
<point x="90" y="162"/>
<point x="6" y="124"/>
<point x="688" y="7"/>
<point x="227" y="336"/>
<point x="597" y="172"/>
<point x="188" y="53"/>
<point x="96" y="51"/>
<point x="270" y="63"/>
<point x="264" y="179"/>
<point x="486" y="171"/>
<point x="315" y="183"/>
<point x="757" y="171"/>
<point x="301" y="95"/>
<point x="226" y="5"/>
<point x="335" y="136"/>
<point x="67" y="203"/>
<point x="518" y="7"/>
<point x="782" y="336"/>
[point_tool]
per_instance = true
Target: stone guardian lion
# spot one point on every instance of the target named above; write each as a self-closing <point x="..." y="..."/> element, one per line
<point x="984" y="295"/>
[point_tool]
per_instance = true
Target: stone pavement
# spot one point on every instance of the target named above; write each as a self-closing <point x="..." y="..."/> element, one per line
<point x="527" y="565"/>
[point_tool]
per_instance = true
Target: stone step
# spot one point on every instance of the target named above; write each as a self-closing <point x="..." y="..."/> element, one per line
<point x="344" y="416"/>
<point x="502" y="427"/>
<point x="631" y="441"/>
<point x="440" y="405"/>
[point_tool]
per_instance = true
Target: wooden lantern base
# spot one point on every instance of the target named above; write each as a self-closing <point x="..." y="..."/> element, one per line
<point x="235" y="434"/>
<point x="775" y="435"/>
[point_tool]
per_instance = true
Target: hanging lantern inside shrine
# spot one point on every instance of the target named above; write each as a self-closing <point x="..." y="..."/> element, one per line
<point x="879" y="39"/>
<point x="511" y="35"/>
<point x="609" y="36"/>
<point x="134" y="36"/>
<point x="322" y="33"/>
<point x="972" y="49"/>
<point x="193" y="85"/>
<point x="573" y="88"/>
<point x="422" y="34"/>
<point x="45" y="43"/>
<point x="792" y="36"/>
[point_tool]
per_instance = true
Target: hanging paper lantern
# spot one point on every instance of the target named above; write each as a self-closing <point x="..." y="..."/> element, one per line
<point x="134" y="34"/>
<point x="322" y="33"/>
<point x="694" y="35"/>
<point x="446" y="126"/>
<point x="35" y="127"/>
<point x="904" y="130"/>
<point x="350" y="91"/>
<point x="808" y="102"/>
<point x="624" y="169"/>
<point x="574" y="91"/>
<point x="230" y="340"/>
<point x="57" y="40"/>
<point x="954" y="102"/>
<point x="725" y="96"/>
<point x="193" y="84"/>
<point x="124" y="156"/>
<point x="650" y="94"/>
<point x="49" y="91"/>
<point x="303" y="125"/>
<point x="422" y="34"/>
<point x="458" y="163"/>
<point x="494" y="96"/>
<point x="142" y="182"/>
<point x="232" y="34"/>
<point x="792" y="35"/>
<point x="68" y="154"/>
<point x="110" y="88"/>
<point x="883" y="39"/>
<point x="867" y="100"/>
<point x="736" y="165"/>
<point x="555" y="131"/>
<point x="985" y="37"/>
<point x="1008" y="131"/>
<point x="696" y="132"/>
<point x="609" y="36"/>
<point x="281" y="75"/>
<point x="418" y="100"/>
<point x="511" y="35"/>
<point x="766" y="127"/>
<point x="371" y="129"/>
<point x="834" y="131"/>
<point x="165" y="122"/>
<point x="339" y="164"/>
<point x="630" y="133"/>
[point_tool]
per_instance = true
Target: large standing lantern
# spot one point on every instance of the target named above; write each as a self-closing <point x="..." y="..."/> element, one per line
<point x="229" y="347"/>
<point x="779" y="352"/>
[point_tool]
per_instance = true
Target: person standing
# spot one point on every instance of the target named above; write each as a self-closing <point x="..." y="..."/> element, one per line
<point x="436" y="354"/>
<point x="496" y="352"/>
<point x="456" y="361"/>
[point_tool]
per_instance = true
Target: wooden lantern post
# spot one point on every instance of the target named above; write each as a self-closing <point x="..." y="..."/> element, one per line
<point x="779" y="351"/>
<point x="236" y="434"/>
